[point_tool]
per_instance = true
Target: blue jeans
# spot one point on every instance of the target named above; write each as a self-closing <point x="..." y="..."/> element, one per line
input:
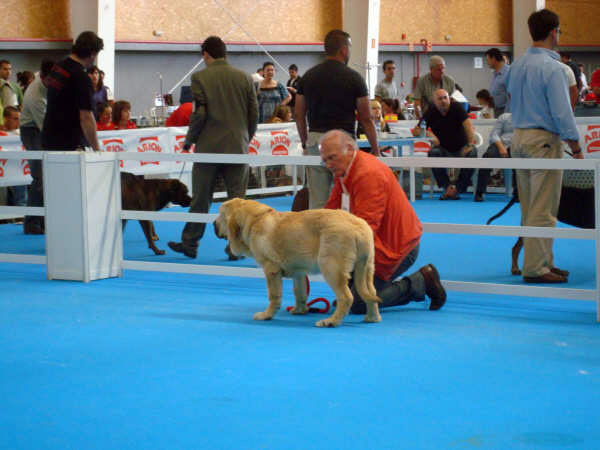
<point x="395" y="292"/>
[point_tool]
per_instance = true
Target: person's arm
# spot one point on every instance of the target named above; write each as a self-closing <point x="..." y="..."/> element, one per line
<point x="497" y="131"/>
<point x="560" y="106"/>
<point x="88" y="126"/>
<point x="470" y="133"/>
<point x="335" y="198"/>
<point x="285" y="95"/>
<point x="300" y="112"/>
<point x="38" y="111"/>
<point x="573" y="96"/>
<point x="198" y="117"/>
<point x="417" y="99"/>
<point x="575" y="149"/>
<point x="417" y="106"/>
<point x="252" y="110"/>
<point x="364" y="117"/>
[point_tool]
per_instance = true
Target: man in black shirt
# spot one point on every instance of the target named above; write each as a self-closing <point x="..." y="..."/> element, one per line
<point x="330" y="92"/>
<point x="453" y="136"/>
<point x="69" y="123"/>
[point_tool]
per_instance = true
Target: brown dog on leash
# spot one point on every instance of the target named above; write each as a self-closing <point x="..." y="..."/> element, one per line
<point x="139" y="194"/>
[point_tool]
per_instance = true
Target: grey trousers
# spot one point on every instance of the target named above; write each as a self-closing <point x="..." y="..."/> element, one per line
<point x="204" y="177"/>
<point x="32" y="140"/>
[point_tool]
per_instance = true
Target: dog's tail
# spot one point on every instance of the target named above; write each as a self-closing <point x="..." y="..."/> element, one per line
<point x="364" y="267"/>
<point x="503" y="210"/>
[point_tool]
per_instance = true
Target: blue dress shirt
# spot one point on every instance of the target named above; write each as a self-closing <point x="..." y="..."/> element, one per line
<point x="539" y="96"/>
<point x="498" y="87"/>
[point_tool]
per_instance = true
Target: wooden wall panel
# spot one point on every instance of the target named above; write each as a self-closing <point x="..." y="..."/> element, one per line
<point x="465" y="21"/>
<point x="35" y="19"/>
<point x="578" y="21"/>
<point x="292" y="21"/>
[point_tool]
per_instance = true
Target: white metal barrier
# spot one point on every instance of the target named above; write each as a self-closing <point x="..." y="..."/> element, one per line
<point x="443" y="228"/>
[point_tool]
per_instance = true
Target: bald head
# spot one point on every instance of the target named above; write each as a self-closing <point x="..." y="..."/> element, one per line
<point x="441" y="100"/>
<point x="337" y="150"/>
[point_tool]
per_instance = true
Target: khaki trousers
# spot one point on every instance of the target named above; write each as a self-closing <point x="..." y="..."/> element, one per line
<point x="539" y="194"/>
<point x="319" y="179"/>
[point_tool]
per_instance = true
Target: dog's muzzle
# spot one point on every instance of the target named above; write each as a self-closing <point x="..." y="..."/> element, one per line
<point x="217" y="233"/>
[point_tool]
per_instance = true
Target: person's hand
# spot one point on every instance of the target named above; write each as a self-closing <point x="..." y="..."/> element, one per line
<point x="416" y="131"/>
<point x="186" y="147"/>
<point x="466" y="149"/>
<point x="578" y="155"/>
<point x="503" y="152"/>
<point x="291" y="89"/>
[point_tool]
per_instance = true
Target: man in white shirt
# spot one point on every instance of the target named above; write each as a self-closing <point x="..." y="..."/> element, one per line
<point x="386" y="88"/>
<point x="32" y="121"/>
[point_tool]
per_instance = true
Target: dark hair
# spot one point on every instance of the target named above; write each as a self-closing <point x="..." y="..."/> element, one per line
<point x="485" y="95"/>
<point x="25" y="77"/>
<point x="565" y="54"/>
<point x="334" y="41"/>
<point x="8" y="110"/>
<point x="215" y="47"/>
<point x="391" y="103"/>
<point x="495" y="53"/>
<point x="385" y="63"/>
<point x="267" y="63"/>
<point x="118" y="108"/>
<point x="100" y="107"/>
<point x="93" y="69"/>
<point x="87" y="44"/>
<point x="541" y="23"/>
<point x="293" y="67"/>
<point x="4" y="61"/>
<point x="46" y="67"/>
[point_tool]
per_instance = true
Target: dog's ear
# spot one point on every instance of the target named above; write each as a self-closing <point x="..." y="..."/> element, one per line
<point x="234" y="231"/>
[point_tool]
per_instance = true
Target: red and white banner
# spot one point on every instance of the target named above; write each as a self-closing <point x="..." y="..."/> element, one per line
<point x="273" y="139"/>
<point x="13" y="171"/>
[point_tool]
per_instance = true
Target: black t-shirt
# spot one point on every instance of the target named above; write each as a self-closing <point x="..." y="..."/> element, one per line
<point x="69" y="91"/>
<point x="331" y="89"/>
<point x="449" y="128"/>
<point x="293" y="84"/>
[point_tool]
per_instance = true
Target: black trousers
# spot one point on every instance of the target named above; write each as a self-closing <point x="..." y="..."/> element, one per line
<point x="32" y="140"/>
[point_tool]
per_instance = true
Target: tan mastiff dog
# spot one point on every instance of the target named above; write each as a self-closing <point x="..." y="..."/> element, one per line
<point x="293" y="244"/>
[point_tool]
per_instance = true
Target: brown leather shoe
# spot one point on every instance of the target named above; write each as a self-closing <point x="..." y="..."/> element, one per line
<point x="433" y="287"/>
<point x="451" y="193"/>
<point x="548" y="277"/>
<point x="562" y="273"/>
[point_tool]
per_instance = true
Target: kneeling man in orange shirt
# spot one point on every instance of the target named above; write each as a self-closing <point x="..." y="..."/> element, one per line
<point x="366" y="187"/>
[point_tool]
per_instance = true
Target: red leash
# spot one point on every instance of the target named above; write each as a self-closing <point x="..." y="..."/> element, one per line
<point x="323" y="310"/>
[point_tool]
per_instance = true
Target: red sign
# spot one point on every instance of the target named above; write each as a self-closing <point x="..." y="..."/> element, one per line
<point x="114" y="145"/>
<point x="178" y="147"/>
<point x="422" y="147"/>
<point x="280" y="143"/>
<point x="254" y="146"/>
<point x="149" y="144"/>
<point x="2" y="164"/>
<point x="592" y="139"/>
<point x="25" y="167"/>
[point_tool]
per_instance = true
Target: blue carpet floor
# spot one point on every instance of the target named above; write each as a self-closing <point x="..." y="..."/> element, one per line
<point x="160" y="360"/>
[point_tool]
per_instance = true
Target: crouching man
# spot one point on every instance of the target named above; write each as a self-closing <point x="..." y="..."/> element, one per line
<point x="366" y="187"/>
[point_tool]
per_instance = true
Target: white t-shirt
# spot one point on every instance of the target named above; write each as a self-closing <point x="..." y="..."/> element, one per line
<point x="570" y="75"/>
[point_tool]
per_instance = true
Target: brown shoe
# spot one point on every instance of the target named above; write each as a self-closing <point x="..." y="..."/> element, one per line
<point x="433" y="287"/>
<point x="548" y="277"/>
<point x="562" y="273"/>
<point x="451" y="193"/>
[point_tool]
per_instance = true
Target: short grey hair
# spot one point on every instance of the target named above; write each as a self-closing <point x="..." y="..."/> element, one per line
<point x="343" y="138"/>
<point x="435" y="61"/>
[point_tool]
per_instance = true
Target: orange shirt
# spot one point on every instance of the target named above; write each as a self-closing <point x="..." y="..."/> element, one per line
<point x="181" y="116"/>
<point x="377" y="197"/>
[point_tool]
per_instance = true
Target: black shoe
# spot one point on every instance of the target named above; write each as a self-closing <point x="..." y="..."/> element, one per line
<point x="433" y="287"/>
<point x="180" y="248"/>
<point x="35" y="228"/>
<point x="478" y="197"/>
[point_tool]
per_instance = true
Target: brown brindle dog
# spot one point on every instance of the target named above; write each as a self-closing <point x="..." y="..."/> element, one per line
<point x="139" y="194"/>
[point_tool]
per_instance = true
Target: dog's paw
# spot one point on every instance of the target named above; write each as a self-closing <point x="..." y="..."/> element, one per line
<point x="373" y="318"/>
<point x="327" y="323"/>
<point x="299" y="310"/>
<point x="263" y="316"/>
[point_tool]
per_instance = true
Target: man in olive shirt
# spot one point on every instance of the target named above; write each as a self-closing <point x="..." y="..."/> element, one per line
<point x="431" y="82"/>
<point x="224" y="120"/>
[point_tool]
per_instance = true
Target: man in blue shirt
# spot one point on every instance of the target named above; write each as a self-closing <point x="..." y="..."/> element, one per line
<point x="543" y="118"/>
<point x="495" y="60"/>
